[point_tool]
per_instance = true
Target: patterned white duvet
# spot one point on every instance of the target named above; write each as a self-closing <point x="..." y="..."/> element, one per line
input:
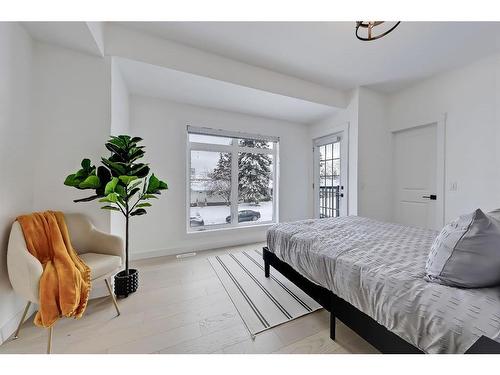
<point x="379" y="268"/>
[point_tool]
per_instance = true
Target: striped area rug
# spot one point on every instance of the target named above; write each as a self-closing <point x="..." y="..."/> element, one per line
<point x="262" y="302"/>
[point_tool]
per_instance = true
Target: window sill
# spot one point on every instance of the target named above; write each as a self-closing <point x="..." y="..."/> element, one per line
<point x="231" y="228"/>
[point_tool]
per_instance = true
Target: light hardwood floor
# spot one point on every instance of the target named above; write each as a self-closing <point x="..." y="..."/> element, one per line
<point x="182" y="307"/>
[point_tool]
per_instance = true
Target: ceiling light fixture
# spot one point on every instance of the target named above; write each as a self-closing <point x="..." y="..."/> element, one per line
<point x="367" y="28"/>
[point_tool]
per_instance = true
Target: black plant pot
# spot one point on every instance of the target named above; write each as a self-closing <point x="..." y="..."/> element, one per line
<point x="126" y="284"/>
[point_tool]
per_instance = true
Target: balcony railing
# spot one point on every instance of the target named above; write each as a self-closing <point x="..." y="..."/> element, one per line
<point x="329" y="201"/>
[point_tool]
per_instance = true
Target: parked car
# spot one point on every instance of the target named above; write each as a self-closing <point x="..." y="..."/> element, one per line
<point x="196" y="221"/>
<point x="246" y="215"/>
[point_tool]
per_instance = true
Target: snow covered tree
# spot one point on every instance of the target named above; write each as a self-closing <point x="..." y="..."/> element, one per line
<point x="254" y="173"/>
<point x="220" y="179"/>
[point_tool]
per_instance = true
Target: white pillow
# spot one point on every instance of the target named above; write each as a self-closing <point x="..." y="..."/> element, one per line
<point x="466" y="253"/>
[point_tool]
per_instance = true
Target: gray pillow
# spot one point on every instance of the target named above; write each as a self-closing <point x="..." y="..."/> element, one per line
<point x="495" y="214"/>
<point x="466" y="253"/>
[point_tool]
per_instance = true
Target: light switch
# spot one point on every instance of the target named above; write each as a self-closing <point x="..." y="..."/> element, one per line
<point x="454" y="186"/>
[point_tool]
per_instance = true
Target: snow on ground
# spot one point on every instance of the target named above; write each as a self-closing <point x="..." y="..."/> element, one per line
<point x="217" y="214"/>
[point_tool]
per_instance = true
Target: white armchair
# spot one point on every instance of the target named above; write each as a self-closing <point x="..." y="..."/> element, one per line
<point x="103" y="253"/>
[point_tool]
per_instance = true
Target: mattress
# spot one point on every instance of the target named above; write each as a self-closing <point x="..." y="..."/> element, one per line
<point x="379" y="267"/>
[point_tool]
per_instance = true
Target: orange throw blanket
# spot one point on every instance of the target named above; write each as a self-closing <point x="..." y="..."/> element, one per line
<point x="65" y="282"/>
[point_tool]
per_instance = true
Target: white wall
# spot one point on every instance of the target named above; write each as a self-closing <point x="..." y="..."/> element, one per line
<point x="120" y="124"/>
<point x="374" y="156"/>
<point x="331" y="125"/>
<point x="55" y="110"/>
<point x="16" y="154"/>
<point x="162" y="124"/>
<point x="71" y="116"/>
<point x="470" y="97"/>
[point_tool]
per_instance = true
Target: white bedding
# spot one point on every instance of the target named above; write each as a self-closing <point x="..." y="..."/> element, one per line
<point x="379" y="268"/>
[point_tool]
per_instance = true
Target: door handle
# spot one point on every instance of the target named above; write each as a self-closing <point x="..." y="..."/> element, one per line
<point x="432" y="197"/>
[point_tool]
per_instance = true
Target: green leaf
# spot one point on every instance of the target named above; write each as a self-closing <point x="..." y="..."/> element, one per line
<point x="163" y="185"/>
<point x="110" y="198"/>
<point x="120" y="190"/>
<point x="88" y="199"/>
<point x="110" y="186"/>
<point x="118" y="147"/>
<point x="116" y="168"/>
<point x="111" y="208"/>
<point x="135" y="154"/>
<point x="72" y="180"/>
<point x="132" y="192"/>
<point x="120" y="200"/>
<point x="91" y="182"/>
<point x="81" y="174"/>
<point x="104" y="176"/>
<point x="86" y="164"/>
<point x="127" y="179"/>
<point x="117" y="150"/>
<point x="143" y="172"/>
<point x="115" y="158"/>
<point x="124" y="137"/>
<point x="139" y="170"/>
<point x="148" y="196"/>
<point x="120" y="141"/>
<point x="135" y="184"/>
<point x="153" y="184"/>
<point x="113" y="197"/>
<point x="145" y="204"/>
<point x="138" y="212"/>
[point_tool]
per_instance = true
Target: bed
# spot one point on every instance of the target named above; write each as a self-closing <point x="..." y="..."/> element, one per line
<point x="370" y="274"/>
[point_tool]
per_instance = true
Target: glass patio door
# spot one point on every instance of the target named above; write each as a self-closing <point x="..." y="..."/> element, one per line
<point x="329" y="189"/>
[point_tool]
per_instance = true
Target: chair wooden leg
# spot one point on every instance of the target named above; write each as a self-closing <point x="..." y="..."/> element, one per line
<point x="49" y="343"/>
<point x="112" y="297"/>
<point x="16" y="334"/>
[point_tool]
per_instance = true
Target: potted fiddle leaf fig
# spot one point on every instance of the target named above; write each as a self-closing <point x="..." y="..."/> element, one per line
<point x="122" y="184"/>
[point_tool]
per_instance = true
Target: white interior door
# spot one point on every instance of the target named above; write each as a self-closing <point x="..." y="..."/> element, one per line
<point x="330" y="189"/>
<point x="415" y="177"/>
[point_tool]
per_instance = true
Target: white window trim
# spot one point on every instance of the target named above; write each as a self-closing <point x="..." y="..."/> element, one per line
<point x="233" y="149"/>
<point x="231" y="134"/>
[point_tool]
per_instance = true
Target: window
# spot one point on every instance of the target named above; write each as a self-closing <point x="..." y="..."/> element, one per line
<point x="232" y="179"/>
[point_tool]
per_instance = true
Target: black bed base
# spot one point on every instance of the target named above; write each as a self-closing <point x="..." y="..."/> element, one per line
<point x="377" y="335"/>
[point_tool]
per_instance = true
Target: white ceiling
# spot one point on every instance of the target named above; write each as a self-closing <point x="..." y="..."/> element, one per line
<point x="328" y="53"/>
<point x="73" y="35"/>
<point x="181" y="87"/>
